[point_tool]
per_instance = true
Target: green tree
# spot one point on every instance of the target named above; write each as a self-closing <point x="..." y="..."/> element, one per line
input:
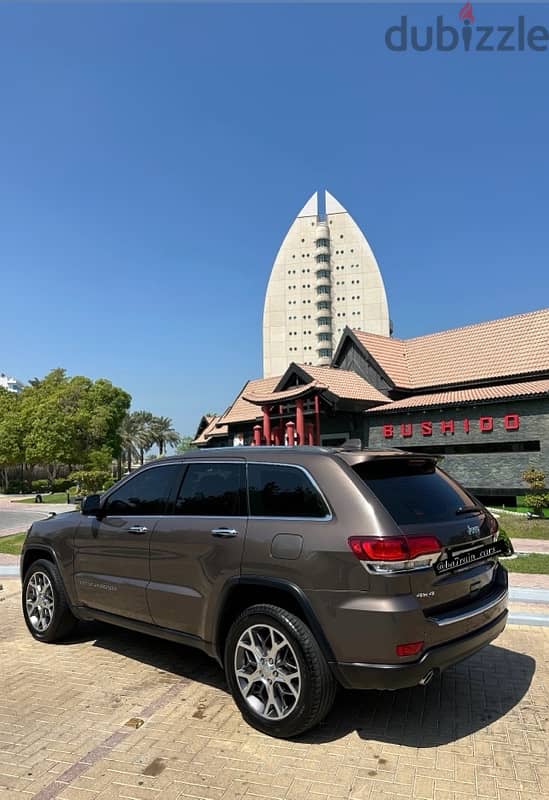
<point x="11" y="434"/>
<point x="538" y="498"/>
<point x="65" y="419"/>
<point x="90" y="481"/>
<point x="164" y="434"/>
<point x="129" y="440"/>
<point x="144" y="433"/>
<point x="185" y="443"/>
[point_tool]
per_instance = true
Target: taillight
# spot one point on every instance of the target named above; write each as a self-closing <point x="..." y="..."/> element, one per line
<point x="409" y="649"/>
<point x="493" y="524"/>
<point x="393" y="548"/>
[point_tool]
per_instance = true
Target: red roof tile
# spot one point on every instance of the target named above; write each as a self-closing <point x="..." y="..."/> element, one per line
<point x="283" y="396"/>
<point x="463" y="396"/>
<point x="342" y="383"/>
<point x="345" y="384"/>
<point x="211" y="429"/>
<point x="506" y="347"/>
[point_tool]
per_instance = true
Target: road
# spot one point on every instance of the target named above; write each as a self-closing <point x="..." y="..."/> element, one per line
<point x="13" y="521"/>
<point x="16" y="516"/>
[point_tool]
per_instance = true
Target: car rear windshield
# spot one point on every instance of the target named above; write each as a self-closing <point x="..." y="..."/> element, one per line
<point x="412" y="491"/>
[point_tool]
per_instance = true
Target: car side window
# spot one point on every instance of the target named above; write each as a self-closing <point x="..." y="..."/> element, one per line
<point x="282" y="491"/>
<point x="145" y="495"/>
<point x="212" y="490"/>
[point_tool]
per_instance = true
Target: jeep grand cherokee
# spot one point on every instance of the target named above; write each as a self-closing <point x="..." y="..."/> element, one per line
<point x="298" y="569"/>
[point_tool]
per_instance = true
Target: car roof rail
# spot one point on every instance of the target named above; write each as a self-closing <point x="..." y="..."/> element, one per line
<point x="351" y="444"/>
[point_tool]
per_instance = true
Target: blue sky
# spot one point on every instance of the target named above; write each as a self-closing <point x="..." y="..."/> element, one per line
<point x="152" y="158"/>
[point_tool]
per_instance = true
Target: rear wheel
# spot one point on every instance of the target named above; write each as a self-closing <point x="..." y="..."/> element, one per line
<point x="277" y="673"/>
<point x="45" y="606"/>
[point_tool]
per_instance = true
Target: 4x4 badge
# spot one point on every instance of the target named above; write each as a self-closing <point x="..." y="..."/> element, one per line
<point x="473" y="530"/>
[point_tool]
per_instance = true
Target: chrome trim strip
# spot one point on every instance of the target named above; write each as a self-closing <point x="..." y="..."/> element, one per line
<point x="441" y="621"/>
<point x="465" y="547"/>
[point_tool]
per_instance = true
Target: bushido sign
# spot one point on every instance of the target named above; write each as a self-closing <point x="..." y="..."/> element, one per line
<point x="510" y="422"/>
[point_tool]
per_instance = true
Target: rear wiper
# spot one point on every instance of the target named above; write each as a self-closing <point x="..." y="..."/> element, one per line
<point x="469" y="510"/>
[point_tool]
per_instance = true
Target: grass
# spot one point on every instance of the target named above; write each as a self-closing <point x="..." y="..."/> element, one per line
<point x="12" y="544"/>
<point x="522" y="509"/>
<point x="522" y="528"/>
<point x="533" y="563"/>
<point x="56" y="497"/>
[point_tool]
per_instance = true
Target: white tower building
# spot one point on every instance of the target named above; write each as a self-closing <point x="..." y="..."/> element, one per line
<point x="324" y="277"/>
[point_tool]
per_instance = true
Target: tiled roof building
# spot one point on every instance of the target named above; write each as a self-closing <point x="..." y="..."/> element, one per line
<point x="477" y="395"/>
<point x="506" y="348"/>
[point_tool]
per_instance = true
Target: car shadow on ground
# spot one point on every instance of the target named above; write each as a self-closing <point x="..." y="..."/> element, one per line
<point x="463" y="700"/>
<point x="177" y="659"/>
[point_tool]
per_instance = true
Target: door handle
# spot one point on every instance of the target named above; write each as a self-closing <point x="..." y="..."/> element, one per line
<point x="138" y="529"/>
<point x="224" y="532"/>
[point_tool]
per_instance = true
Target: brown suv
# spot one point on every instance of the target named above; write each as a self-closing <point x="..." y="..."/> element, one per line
<point x="296" y="568"/>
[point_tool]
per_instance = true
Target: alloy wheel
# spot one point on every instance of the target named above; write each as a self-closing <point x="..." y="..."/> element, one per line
<point x="267" y="672"/>
<point x="39" y="601"/>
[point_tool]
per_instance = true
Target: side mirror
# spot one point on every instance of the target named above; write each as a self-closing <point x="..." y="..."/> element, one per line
<point x="91" y="505"/>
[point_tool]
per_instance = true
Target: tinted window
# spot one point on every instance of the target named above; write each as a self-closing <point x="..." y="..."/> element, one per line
<point x="146" y="494"/>
<point x="211" y="490"/>
<point x="413" y="492"/>
<point x="283" y="492"/>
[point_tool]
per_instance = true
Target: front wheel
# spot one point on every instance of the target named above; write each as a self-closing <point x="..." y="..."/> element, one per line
<point x="277" y="673"/>
<point x="45" y="606"/>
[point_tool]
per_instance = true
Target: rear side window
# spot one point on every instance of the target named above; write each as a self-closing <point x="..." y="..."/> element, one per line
<point x="144" y="495"/>
<point x="412" y="491"/>
<point x="211" y="490"/>
<point x="280" y="491"/>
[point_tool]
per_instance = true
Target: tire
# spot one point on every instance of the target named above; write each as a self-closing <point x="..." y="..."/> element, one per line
<point x="50" y="620"/>
<point x="292" y="694"/>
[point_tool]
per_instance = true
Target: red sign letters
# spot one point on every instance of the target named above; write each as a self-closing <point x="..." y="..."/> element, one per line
<point x="511" y="422"/>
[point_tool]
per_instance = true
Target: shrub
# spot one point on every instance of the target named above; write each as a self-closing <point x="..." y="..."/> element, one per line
<point x="90" y="481"/>
<point x="537" y="502"/>
<point x="61" y="485"/>
<point x="535" y="478"/>
<point x="538" y="499"/>
<point x="108" y="483"/>
<point x="19" y="487"/>
<point x="58" y="485"/>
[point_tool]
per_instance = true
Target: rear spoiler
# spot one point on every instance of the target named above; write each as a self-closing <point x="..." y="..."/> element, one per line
<point x="353" y="457"/>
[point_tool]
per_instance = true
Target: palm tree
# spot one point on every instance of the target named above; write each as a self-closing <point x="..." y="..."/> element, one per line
<point x="163" y="433"/>
<point x="128" y="432"/>
<point x="144" y="434"/>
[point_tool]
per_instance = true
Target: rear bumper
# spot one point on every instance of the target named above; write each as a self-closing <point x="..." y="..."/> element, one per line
<point x="399" y="676"/>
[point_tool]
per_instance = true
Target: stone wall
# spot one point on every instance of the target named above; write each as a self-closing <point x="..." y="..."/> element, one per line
<point x="482" y="472"/>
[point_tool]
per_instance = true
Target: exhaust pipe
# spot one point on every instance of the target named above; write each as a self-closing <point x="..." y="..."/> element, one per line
<point x="427" y="678"/>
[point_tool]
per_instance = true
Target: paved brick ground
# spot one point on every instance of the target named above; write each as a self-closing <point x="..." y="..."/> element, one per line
<point x="531" y="545"/>
<point x="527" y="581"/>
<point x="482" y="731"/>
